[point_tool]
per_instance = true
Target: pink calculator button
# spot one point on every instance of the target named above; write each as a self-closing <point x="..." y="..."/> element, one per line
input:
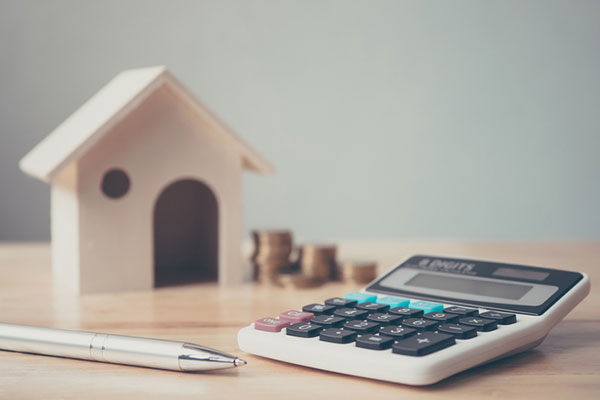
<point x="270" y="324"/>
<point x="293" y="316"/>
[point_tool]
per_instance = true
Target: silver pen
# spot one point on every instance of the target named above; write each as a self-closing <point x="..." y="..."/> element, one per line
<point x="117" y="349"/>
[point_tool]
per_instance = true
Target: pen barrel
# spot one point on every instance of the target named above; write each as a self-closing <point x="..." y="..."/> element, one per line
<point x="154" y="353"/>
<point x="143" y="352"/>
<point x="53" y="342"/>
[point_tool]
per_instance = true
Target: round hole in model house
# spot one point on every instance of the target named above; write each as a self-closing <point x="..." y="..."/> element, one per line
<point x="115" y="183"/>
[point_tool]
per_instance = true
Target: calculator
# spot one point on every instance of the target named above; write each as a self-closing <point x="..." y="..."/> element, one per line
<point x="423" y="321"/>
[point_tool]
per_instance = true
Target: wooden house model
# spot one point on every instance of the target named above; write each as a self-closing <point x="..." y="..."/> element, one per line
<point x="146" y="188"/>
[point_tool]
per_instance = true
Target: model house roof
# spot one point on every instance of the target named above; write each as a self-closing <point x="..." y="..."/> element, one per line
<point x="96" y="117"/>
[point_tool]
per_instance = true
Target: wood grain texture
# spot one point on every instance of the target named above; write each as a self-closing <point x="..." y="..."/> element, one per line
<point x="566" y="365"/>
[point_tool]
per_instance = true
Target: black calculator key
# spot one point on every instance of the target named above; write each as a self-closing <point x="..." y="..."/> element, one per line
<point x="328" y="320"/>
<point x="397" y="332"/>
<point x="420" y="324"/>
<point x="482" y="324"/>
<point x="423" y="343"/>
<point x="373" y="307"/>
<point x="459" y="331"/>
<point x="362" y="326"/>
<point x="337" y="335"/>
<point x="501" y="318"/>
<point x="406" y="312"/>
<point x="374" y="342"/>
<point x="303" y="329"/>
<point x="318" y="309"/>
<point x="351" y="313"/>
<point x="339" y="302"/>
<point x="385" y="318"/>
<point x="464" y="311"/>
<point x="441" y="317"/>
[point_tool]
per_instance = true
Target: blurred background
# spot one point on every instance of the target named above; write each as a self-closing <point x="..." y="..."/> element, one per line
<point x="461" y="119"/>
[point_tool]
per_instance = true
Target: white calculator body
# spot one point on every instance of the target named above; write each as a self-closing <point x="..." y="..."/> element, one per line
<point x="424" y="320"/>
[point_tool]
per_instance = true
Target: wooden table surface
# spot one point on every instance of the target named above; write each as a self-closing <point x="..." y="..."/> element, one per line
<point x="566" y="365"/>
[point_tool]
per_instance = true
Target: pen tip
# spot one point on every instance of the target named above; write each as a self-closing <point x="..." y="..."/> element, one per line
<point x="239" y="362"/>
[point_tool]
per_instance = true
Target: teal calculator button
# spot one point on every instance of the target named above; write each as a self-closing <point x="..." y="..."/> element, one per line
<point x="393" y="301"/>
<point x="360" y="297"/>
<point x="426" y="306"/>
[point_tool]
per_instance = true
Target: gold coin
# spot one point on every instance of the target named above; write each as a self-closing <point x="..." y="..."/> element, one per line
<point x="272" y="249"/>
<point x="357" y="271"/>
<point x="318" y="261"/>
<point x="300" y="281"/>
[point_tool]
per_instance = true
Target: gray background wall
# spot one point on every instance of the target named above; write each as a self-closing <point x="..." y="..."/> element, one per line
<point x="384" y="118"/>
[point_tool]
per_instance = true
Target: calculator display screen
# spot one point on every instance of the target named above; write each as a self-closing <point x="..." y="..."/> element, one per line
<point x="484" y="284"/>
<point x="465" y="285"/>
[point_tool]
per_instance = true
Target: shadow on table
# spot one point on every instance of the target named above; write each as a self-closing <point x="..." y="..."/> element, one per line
<point x="571" y="336"/>
<point x="502" y="366"/>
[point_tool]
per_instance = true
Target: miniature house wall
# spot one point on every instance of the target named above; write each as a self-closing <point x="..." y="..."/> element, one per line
<point x="146" y="188"/>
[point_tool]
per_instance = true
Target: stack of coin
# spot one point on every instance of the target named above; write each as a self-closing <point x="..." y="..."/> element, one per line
<point x="297" y="280"/>
<point x="318" y="261"/>
<point x="272" y="251"/>
<point x="357" y="271"/>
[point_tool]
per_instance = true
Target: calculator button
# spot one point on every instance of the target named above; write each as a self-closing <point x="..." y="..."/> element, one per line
<point x="293" y="316"/>
<point x="373" y="307"/>
<point x="459" y="331"/>
<point x="338" y="302"/>
<point x="420" y="324"/>
<point x="374" y="342"/>
<point x="318" y="309"/>
<point x="337" y="335"/>
<point x="351" y="313"/>
<point x="393" y="301"/>
<point x="426" y="306"/>
<point x="270" y="324"/>
<point x="441" y="316"/>
<point x="360" y="297"/>
<point x="423" y="343"/>
<point x="464" y="311"/>
<point x="328" y="320"/>
<point x="406" y="312"/>
<point x="482" y="324"/>
<point x="304" y="329"/>
<point x="398" y="332"/>
<point x="501" y="318"/>
<point x="384" y="318"/>
<point x="362" y="326"/>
